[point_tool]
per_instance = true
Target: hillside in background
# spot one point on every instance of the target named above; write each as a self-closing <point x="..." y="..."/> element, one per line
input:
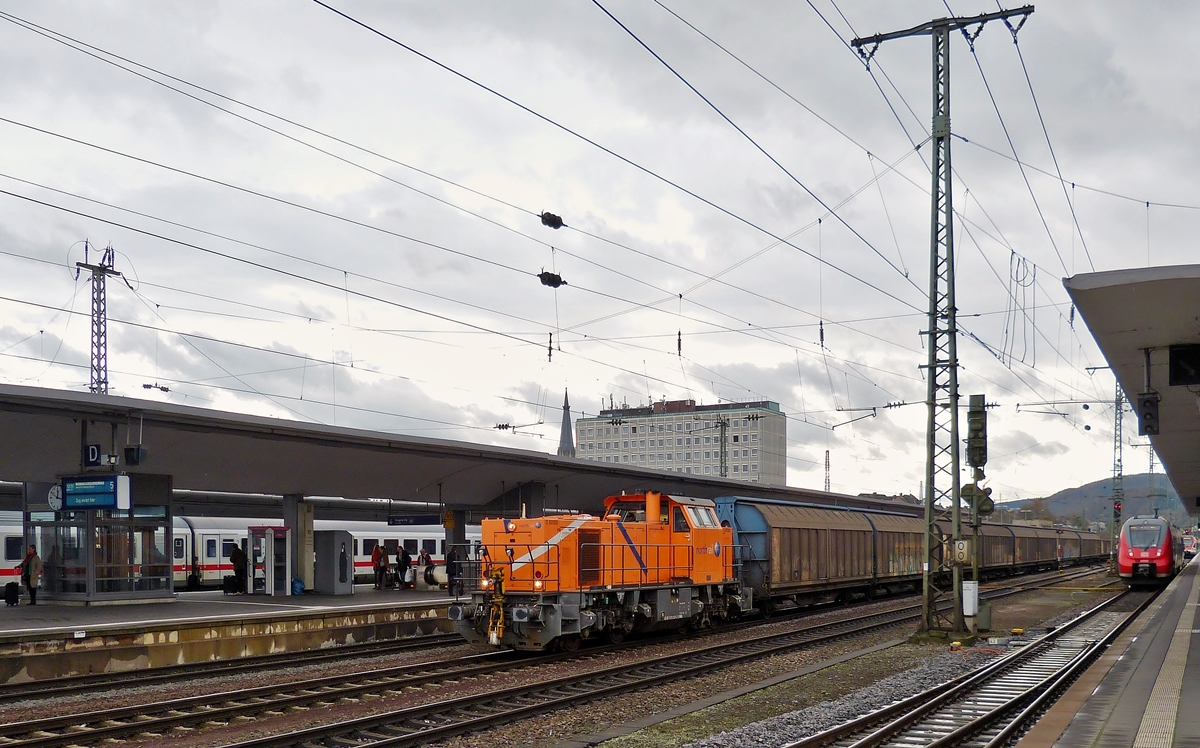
<point x="1093" y="502"/>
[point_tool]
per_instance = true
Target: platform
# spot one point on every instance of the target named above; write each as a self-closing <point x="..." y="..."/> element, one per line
<point x="49" y="640"/>
<point x="1144" y="692"/>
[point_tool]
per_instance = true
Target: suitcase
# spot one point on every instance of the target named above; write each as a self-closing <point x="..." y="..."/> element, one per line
<point x="12" y="593"/>
<point x="229" y="585"/>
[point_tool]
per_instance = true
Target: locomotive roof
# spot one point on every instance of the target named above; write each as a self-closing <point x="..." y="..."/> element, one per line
<point x="685" y="500"/>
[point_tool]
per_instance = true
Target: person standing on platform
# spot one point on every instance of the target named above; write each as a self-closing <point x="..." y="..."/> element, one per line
<point x="423" y="559"/>
<point x="237" y="557"/>
<point x="452" y="570"/>
<point x="377" y="566"/>
<point x="403" y="561"/>
<point x="385" y="566"/>
<point x="31" y="573"/>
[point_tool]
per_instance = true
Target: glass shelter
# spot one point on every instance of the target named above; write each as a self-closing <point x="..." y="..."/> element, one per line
<point x="95" y="550"/>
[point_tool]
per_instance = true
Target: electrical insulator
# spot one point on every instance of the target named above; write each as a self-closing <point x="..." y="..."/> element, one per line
<point x="551" y="220"/>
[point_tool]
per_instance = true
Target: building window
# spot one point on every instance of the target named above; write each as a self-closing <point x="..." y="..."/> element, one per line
<point x="634" y="429"/>
<point x="707" y="455"/>
<point x="668" y="456"/>
<point x="590" y="432"/>
<point x="668" y="427"/>
<point x="625" y="445"/>
<point x="754" y="453"/>
<point x="735" y="468"/>
<point x="679" y="455"/>
<point x="754" y="437"/>
<point x="643" y="442"/>
<point x="708" y="440"/>
<point x="753" y="467"/>
<point x="735" y="438"/>
<point x="678" y="442"/>
<point x="624" y="458"/>
<point x="745" y="468"/>
<point x="707" y="469"/>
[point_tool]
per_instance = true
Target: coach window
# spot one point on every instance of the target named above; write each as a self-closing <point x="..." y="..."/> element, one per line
<point x="14" y="548"/>
<point x="178" y="545"/>
<point x="368" y="546"/>
<point x="210" y="548"/>
<point x="429" y="546"/>
<point x="410" y="545"/>
<point x="680" y="521"/>
<point x="227" y="547"/>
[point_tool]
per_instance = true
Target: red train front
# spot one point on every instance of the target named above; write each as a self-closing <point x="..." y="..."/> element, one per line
<point x="1150" y="551"/>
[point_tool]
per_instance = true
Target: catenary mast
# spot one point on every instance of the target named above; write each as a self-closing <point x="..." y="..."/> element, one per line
<point x="942" y="472"/>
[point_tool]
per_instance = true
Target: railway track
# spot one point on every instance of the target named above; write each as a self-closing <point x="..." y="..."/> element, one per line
<point x="462" y="715"/>
<point x="98" y="682"/>
<point x="992" y="705"/>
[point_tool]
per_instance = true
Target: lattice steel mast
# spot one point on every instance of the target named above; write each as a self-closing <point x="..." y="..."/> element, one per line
<point x="942" y="472"/>
<point x="99" y="376"/>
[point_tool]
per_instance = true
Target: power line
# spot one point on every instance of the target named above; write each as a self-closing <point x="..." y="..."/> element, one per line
<point x="614" y="154"/>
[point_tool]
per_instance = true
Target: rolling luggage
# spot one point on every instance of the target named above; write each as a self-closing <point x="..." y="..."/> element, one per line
<point x="229" y="585"/>
<point x="12" y="593"/>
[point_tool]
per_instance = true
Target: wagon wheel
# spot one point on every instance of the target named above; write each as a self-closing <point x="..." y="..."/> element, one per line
<point x="569" y="643"/>
<point x="766" y="609"/>
<point x="615" y="634"/>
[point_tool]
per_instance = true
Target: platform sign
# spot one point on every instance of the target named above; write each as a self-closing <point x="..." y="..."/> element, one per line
<point x="90" y="492"/>
<point x="92" y="455"/>
<point x="405" y="520"/>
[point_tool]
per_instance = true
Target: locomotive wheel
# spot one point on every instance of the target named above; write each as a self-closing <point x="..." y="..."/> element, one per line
<point x="615" y="634"/>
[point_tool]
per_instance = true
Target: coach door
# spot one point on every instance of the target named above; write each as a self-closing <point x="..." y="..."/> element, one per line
<point x="210" y="557"/>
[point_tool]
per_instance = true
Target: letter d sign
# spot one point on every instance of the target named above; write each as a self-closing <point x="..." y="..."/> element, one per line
<point x="92" y="457"/>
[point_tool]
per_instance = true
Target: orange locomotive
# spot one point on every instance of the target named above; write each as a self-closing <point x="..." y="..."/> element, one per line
<point x="652" y="562"/>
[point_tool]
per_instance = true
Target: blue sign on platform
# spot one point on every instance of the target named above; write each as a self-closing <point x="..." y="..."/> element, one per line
<point x="90" y="493"/>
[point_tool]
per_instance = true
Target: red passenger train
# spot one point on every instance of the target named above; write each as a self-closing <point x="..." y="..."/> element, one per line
<point x="1150" y="552"/>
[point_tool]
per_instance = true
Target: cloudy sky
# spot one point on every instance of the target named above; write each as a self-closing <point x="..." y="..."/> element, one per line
<point x="335" y="219"/>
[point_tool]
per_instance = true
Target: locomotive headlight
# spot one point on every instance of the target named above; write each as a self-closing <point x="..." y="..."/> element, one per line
<point x="537" y="584"/>
<point x="485" y="583"/>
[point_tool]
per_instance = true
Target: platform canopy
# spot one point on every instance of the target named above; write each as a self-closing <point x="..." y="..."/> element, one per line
<point x="243" y="462"/>
<point x="1129" y="311"/>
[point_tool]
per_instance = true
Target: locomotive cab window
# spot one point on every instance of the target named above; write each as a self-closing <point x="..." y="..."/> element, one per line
<point x="702" y="516"/>
<point x="680" y="522"/>
<point x="1144" y="536"/>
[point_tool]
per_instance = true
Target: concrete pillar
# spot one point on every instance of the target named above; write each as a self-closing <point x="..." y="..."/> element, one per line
<point x="455" y="522"/>
<point x="298" y="516"/>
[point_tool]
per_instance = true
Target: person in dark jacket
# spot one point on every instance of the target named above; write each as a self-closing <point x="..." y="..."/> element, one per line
<point x="452" y="571"/>
<point x="237" y="557"/>
<point x="403" y="561"/>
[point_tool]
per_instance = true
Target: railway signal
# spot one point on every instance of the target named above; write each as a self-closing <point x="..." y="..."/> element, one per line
<point x="977" y="432"/>
<point x="1147" y="409"/>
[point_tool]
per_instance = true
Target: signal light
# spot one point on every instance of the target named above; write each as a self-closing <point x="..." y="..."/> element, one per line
<point x="1147" y="408"/>
<point x="1116" y="511"/>
<point x="977" y="432"/>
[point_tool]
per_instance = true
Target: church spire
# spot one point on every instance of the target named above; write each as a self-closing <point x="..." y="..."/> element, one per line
<point x="566" y="442"/>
